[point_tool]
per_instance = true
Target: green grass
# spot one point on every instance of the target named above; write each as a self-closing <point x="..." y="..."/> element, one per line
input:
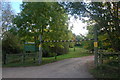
<point x="79" y="52"/>
<point x="107" y="70"/>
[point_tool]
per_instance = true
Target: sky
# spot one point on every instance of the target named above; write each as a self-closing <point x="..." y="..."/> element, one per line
<point x="16" y="6"/>
<point x="78" y="26"/>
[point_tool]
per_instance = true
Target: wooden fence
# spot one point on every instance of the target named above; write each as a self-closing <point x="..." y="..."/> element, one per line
<point x="23" y="57"/>
<point x="108" y="55"/>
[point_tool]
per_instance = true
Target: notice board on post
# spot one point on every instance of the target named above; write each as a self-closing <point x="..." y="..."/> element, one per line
<point x="29" y="48"/>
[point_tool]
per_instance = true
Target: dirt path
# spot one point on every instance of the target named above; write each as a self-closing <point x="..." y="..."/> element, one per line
<point x="68" y="68"/>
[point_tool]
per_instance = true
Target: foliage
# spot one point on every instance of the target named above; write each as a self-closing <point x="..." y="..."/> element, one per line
<point x="7" y="16"/>
<point x="71" y="37"/>
<point x="46" y="19"/>
<point x="104" y="70"/>
<point x="78" y="37"/>
<point x="104" y="14"/>
<point x="11" y="44"/>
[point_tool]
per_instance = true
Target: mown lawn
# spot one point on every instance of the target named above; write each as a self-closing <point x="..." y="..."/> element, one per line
<point x="79" y="52"/>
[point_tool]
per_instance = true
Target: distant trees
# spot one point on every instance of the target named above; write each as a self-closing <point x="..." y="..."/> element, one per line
<point x="7" y="16"/>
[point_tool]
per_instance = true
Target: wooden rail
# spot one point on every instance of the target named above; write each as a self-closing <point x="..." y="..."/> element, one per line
<point x="19" y="57"/>
<point x="106" y="55"/>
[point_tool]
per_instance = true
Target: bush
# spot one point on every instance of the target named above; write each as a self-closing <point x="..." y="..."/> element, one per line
<point x="51" y="54"/>
<point x="11" y="43"/>
<point x="88" y="45"/>
<point x="50" y="51"/>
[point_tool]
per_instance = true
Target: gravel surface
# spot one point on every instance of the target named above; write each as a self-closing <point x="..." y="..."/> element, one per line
<point x="68" y="68"/>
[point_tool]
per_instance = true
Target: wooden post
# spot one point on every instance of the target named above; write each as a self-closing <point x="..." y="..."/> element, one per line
<point x="119" y="58"/>
<point x="23" y="57"/>
<point x="4" y="58"/>
<point x="101" y="58"/>
<point x="55" y="52"/>
<point x="40" y="51"/>
<point x="34" y="57"/>
<point x="55" y="55"/>
<point x="74" y="48"/>
<point x="95" y="46"/>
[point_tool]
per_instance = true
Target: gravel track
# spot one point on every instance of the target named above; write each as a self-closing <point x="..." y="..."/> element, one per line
<point x="68" y="68"/>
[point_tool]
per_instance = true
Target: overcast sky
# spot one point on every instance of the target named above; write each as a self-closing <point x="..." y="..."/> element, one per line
<point x="78" y="26"/>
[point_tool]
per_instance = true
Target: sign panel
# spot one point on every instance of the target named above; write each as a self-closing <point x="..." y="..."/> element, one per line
<point x="95" y="44"/>
<point x="29" y="48"/>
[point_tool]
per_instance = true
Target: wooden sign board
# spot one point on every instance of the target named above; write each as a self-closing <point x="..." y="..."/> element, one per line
<point x="95" y="44"/>
<point x="29" y="48"/>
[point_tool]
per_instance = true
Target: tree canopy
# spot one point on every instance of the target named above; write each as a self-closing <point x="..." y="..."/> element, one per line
<point x="105" y="15"/>
<point x="47" y="19"/>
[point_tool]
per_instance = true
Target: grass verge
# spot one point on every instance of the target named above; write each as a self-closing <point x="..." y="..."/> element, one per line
<point x="109" y="70"/>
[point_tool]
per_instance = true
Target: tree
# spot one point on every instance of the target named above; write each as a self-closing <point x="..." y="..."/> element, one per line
<point x="105" y="14"/>
<point x="7" y="16"/>
<point x="11" y="44"/>
<point x="47" y="19"/>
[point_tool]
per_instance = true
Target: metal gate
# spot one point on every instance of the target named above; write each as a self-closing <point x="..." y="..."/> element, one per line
<point x="54" y="41"/>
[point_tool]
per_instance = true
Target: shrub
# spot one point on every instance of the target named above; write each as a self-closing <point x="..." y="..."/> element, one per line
<point x="58" y="50"/>
<point x="11" y="43"/>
